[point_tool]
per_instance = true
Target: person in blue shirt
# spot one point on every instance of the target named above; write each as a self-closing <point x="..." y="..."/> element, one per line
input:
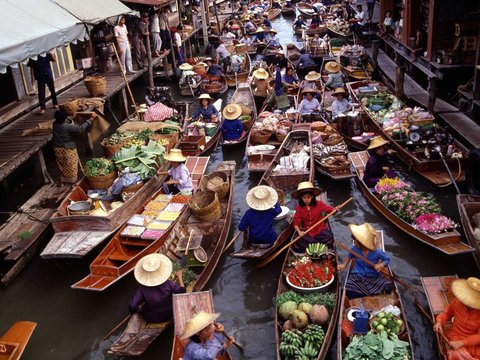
<point x="305" y="60"/>
<point x="272" y="40"/>
<point x="299" y="23"/>
<point x="290" y="78"/>
<point x="260" y="35"/>
<point x="206" y="110"/>
<point x="258" y="220"/>
<point x="266" y="22"/>
<point x="365" y="280"/>
<point x="232" y="128"/>
<point x="316" y="21"/>
<point x="214" y="71"/>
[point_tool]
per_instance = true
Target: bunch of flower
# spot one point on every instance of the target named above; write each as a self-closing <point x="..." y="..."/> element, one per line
<point x="434" y="224"/>
<point x="386" y="184"/>
<point x="308" y="274"/>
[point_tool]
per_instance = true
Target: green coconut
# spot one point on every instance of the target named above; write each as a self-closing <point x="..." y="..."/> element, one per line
<point x="286" y="309"/>
<point x="299" y="319"/>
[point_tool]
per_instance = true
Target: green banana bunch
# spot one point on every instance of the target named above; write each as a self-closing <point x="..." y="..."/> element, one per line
<point x="316" y="249"/>
<point x="307" y="352"/>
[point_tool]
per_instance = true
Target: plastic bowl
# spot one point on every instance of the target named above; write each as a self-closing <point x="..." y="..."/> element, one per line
<point x="324" y="288"/>
<point x="283" y="214"/>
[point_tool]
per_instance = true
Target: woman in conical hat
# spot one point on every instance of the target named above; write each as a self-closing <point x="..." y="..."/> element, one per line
<point x="340" y="105"/>
<point x="206" y="110"/>
<point x="307" y="213"/>
<point x="258" y="220"/>
<point x="464" y="310"/>
<point x="206" y="338"/>
<point x="180" y="179"/>
<point x="259" y="35"/>
<point x="378" y="164"/>
<point x="152" y="273"/>
<point x="335" y="76"/>
<point x="262" y="87"/>
<point x="365" y="280"/>
<point x="232" y="128"/>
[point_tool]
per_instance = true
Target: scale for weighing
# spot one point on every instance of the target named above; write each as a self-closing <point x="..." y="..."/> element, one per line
<point x="196" y="256"/>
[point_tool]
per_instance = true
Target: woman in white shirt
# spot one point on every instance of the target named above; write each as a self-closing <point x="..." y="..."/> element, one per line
<point x="121" y="34"/>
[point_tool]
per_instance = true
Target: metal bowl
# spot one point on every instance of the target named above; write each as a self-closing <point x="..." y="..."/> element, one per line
<point x="80" y="208"/>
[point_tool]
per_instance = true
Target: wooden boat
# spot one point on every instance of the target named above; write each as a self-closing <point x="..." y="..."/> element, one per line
<point x="14" y="341"/>
<point x="215" y="87"/>
<point x="315" y="50"/>
<point x="185" y="306"/>
<point x="432" y="169"/>
<point x="371" y="303"/>
<point x="195" y="145"/>
<point x="293" y="54"/>
<point x="439" y="295"/>
<point x="211" y="236"/>
<point x="362" y="71"/>
<point x="243" y="96"/>
<point x="305" y="9"/>
<point x="121" y="254"/>
<point x="333" y="314"/>
<point x="285" y="182"/>
<point x="335" y="166"/>
<point x="304" y="32"/>
<point x="468" y="208"/>
<point x="233" y="79"/>
<point x="449" y="243"/>
<point x="273" y="13"/>
<point x="288" y="11"/>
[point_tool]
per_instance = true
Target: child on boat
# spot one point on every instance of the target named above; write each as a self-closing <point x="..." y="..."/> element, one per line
<point x="365" y="280"/>
<point x="308" y="212"/>
<point x="258" y="220"/>
<point x="463" y="335"/>
<point x="378" y="163"/>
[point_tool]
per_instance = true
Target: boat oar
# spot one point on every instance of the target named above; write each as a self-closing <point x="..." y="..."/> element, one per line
<point x="240" y="347"/>
<point x="449" y="171"/>
<point x="278" y="252"/>
<point x="427" y="315"/>
<point x="188" y="242"/>
<point x="231" y="242"/>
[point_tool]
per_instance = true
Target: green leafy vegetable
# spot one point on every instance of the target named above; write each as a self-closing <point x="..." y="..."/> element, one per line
<point x="98" y="166"/>
<point x="188" y="275"/>
<point x="377" y="347"/>
<point x="142" y="160"/>
<point x="288" y="296"/>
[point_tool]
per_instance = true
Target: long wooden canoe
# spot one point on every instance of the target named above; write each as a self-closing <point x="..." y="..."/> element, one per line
<point x="432" y="170"/>
<point x="288" y="11"/>
<point x="329" y="328"/>
<point x="273" y="13"/>
<point x="211" y="236"/>
<point x="198" y="145"/>
<point x="468" y="207"/>
<point x="14" y="341"/>
<point x="243" y="96"/>
<point x="121" y="254"/>
<point x="286" y="182"/>
<point x="214" y="88"/>
<point x="185" y="306"/>
<point x="363" y="71"/>
<point x="242" y="76"/>
<point x="439" y="296"/>
<point x="371" y="303"/>
<point x="305" y="9"/>
<point x="449" y="243"/>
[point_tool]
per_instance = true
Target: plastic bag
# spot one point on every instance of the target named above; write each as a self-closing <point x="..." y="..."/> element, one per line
<point x="125" y="179"/>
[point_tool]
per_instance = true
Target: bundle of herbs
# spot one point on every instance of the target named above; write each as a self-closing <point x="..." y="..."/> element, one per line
<point x="98" y="167"/>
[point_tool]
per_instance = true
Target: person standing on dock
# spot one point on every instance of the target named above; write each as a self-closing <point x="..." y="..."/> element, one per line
<point x="177" y="44"/>
<point x="124" y="48"/>
<point x="41" y="71"/>
<point x="140" y="35"/>
<point x="155" y="31"/>
<point x="64" y="146"/>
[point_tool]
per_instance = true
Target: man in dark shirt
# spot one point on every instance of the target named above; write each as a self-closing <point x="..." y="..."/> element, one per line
<point x="42" y="72"/>
<point x="305" y="60"/>
<point x="141" y="33"/>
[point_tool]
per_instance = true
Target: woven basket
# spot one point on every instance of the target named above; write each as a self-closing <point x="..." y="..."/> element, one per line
<point x="101" y="182"/>
<point x="281" y="196"/>
<point x="280" y="137"/>
<point x="319" y="126"/>
<point x="96" y="85"/>
<point x="70" y="106"/>
<point x="205" y="206"/>
<point x="261" y="137"/>
<point x="111" y="150"/>
<point x="217" y="182"/>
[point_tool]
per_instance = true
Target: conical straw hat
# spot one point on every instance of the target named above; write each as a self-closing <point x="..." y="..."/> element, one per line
<point x="332" y="67"/>
<point x="185" y="66"/>
<point x="376" y="142"/>
<point x="199" y="322"/>
<point x="260" y="74"/>
<point x="205" y="96"/>
<point x="262" y="197"/>
<point x="365" y="234"/>
<point x="232" y="111"/>
<point x="153" y="269"/>
<point x="175" y="155"/>
<point x="312" y="76"/>
<point x="467" y="291"/>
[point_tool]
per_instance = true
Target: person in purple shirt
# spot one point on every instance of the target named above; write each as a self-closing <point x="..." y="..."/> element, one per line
<point x="180" y="179"/>
<point x="155" y="290"/>
<point x="258" y="220"/>
<point x="378" y="164"/>
<point x="232" y="128"/>
<point x="365" y="280"/>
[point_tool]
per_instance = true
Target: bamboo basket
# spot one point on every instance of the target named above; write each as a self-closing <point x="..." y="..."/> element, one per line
<point x="101" y="182"/>
<point x="96" y="85"/>
<point x="111" y="150"/>
<point x="217" y="182"/>
<point x="205" y="206"/>
<point x="281" y="196"/>
<point x="280" y="137"/>
<point x="70" y="106"/>
<point x="261" y="137"/>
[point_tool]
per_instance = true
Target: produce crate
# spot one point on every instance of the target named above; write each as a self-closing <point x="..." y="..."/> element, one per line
<point x="191" y="144"/>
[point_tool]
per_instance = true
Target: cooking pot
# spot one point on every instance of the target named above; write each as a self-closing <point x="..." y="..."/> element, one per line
<point x="80" y="208"/>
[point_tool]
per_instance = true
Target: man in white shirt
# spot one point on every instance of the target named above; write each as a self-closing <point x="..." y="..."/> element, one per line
<point x="155" y="32"/>
<point x="223" y="56"/>
<point x="359" y="21"/>
<point x="125" y="53"/>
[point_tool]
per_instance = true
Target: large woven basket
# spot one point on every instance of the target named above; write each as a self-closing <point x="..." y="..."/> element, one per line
<point x="111" y="150"/>
<point x="96" y="85"/>
<point x="261" y="137"/>
<point x="70" y="106"/>
<point x="205" y="206"/>
<point x="102" y="182"/>
<point x="218" y="182"/>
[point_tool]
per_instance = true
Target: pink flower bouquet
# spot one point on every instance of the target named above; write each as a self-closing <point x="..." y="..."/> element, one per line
<point x="434" y="224"/>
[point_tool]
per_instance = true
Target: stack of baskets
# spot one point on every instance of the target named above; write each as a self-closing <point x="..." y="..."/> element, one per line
<point x="218" y="182"/>
<point x="205" y="206"/>
<point x="96" y="85"/>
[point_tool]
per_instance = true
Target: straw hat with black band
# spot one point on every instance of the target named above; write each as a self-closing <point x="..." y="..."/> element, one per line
<point x="467" y="291"/>
<point x="332" y="67"/>
<point x="376" y="142"/>
<point x="272" y="31"/>
<point x="339" y="91"/>
<point x="262" y="197"/>
<point x="205" y="97"/>
<point x="309" y="91"/>
<point x="198" y="322"/>
<point x="185" y="67"/>
<point x="153" y="269"/>
<point x="201" y="63"/>
<point x="260" y="74"/>
<point x="259" y="30"/>
<point x="175" y="155"/>
<point x="312" y="76"/>
<point x="306" y="187"/>
<point x="232" y="112"/>
<point x="365" y="234"/>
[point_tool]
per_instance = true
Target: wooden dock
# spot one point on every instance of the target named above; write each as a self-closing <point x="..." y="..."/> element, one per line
<point x="465" y="128"/>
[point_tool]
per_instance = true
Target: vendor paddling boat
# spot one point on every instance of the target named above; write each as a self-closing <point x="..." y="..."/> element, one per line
<point x="469" y="210"/>
<point x="241" y="76"/>
<point x="419" y="142"/>
<point x="349" y="308"/>
<point x="14" y="341"/>
<point x="207" y="235"/>
<point x="285" y="172"/>
<point x="243" y="96"/>
<point x="356" y="64"/>
<point x="439" y="295"/>
<point x="144" y="233"/>
<point x="449" y="242"/>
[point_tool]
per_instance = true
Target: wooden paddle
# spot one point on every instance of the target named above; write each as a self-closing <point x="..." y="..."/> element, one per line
<point x="240" y="347"/>
<point x="427" y="315"/>
<point x="188" y="242"/>
<point x="278" y="252"/>
<point x="231" y="242"/>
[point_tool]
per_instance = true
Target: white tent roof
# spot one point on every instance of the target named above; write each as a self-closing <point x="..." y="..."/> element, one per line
<point x="95" y="11"/>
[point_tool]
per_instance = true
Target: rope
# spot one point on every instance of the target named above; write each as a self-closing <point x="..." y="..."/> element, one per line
<point x="458" y="176"/>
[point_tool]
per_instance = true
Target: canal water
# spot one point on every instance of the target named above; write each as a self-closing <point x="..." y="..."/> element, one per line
<point x="72" y="323"/>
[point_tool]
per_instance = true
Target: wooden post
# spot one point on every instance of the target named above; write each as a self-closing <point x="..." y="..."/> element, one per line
<point x="432" y="94"/>
<point x="375" y="48"/>
<point x="124" y="103"/>
<point x="150" y="63"/>
<point x="40" y="167"/>
<point x="399" y="80"/>
<point x="165" y="68"/>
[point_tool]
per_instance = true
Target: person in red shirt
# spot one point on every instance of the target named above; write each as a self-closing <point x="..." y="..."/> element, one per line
<point x="464" y="334"/>
<point x="308" y="212"/>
